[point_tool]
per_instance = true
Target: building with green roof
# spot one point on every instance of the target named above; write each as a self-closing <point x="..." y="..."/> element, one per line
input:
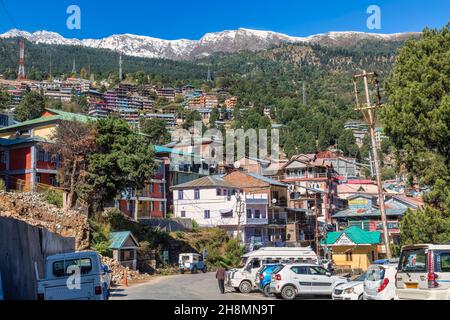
<point x="353" y="247"/>
<point x="124" y="246"/>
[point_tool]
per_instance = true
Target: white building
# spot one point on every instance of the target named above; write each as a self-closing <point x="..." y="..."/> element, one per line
<point x="213" y="202"/>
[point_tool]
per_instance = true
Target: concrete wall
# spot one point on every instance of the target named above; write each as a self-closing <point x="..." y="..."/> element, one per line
<point x="21" y="245"/>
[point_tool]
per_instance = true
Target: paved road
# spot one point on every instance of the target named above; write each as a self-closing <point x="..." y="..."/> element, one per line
<point x="186" y="287"/>
<point x="181" y="287"/>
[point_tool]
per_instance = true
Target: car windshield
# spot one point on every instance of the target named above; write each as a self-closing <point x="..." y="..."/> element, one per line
<point x="413" y="261"/>
<point x="375" y="274"/>
<point x="243" y="262"/>
<point x="361" y="277"/>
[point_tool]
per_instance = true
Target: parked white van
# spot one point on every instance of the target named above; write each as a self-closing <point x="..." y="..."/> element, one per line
<point x="424" y="272"/>
<point x="243" y="279"/>
<point x="60" y="281"/>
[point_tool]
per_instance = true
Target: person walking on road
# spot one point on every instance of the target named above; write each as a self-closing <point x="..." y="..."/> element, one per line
<point x="220" y="276"/>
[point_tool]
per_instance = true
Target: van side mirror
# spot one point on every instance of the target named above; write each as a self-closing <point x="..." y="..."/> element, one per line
<point x="328" y="274"/>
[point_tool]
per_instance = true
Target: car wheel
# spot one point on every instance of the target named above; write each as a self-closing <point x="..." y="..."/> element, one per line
<point x="361" y="297"/>
<point x="245" y="287"/>
<point x="182" y="271"/>
<point x="204" y="269"/>
<point x="288" y="293"/>
<point x="194" y="270"/>
<point x="267" y="291"/>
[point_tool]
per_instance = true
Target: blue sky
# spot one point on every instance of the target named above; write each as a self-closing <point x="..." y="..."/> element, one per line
<point x="191" y="19"/>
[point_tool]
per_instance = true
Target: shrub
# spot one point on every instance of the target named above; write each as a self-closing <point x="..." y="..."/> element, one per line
<point x="195" y="226"/>
<point x="53" y="197"/>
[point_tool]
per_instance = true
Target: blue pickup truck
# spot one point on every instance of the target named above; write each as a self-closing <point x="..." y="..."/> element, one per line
<point x="191" y="262"/>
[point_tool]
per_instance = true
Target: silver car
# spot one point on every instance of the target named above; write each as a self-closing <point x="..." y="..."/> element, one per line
<point x="291" y="280"/>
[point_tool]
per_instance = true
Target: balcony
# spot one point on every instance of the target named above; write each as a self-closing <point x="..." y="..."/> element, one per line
<point x="257" y="221"/>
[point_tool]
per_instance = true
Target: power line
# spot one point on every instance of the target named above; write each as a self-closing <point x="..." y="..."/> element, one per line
<point x="8" y="14"/>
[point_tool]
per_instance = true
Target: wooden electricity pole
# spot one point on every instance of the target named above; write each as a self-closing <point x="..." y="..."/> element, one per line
<point x="369" y="117"/>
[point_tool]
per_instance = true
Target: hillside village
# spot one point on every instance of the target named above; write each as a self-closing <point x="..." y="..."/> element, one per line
<point x="97" y="165"/>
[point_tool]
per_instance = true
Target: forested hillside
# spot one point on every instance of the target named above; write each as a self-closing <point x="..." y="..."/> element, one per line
<point x="271" y="78"/>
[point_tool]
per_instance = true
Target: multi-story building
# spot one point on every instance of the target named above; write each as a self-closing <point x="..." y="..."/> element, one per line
<point x="169" y="118"/>
<point x="343" y="166"/>
<point x="231" y="102"/>
<point x="276" y="192"/>
<point x="359" y="129"/>
<point x="25" y="163"/>
<point x="168" y="93"/>
<point x="209" y="100"/>
<point x="150" y="202"/>
<point x="214" y="202"/>
<point x="306" y="174"/>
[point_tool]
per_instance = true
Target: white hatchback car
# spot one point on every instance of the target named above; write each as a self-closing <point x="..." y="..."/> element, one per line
<point x="353" y="290"/>
<point x="380" y="282"/>
<point x="291" y="280"/>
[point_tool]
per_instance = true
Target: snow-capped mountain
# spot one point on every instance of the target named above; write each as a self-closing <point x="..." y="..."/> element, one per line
<point x="183" y="49"/>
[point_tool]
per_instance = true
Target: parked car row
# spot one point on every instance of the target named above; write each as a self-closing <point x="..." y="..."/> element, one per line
<point x="422" y="272"/>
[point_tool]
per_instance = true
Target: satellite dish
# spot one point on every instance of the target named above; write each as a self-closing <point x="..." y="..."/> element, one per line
<point x="237" y="165"/>
<point x="274" y="201"/>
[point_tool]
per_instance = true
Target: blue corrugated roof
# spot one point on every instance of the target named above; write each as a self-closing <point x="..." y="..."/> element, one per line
<point x="118" y="239"/>
<point x="265" y="179"/>
<point x="11" y="142"/>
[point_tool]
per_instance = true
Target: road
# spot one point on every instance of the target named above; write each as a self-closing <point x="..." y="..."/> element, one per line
<point x="181" y="287"/>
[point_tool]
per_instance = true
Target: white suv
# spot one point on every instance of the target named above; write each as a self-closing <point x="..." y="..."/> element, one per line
<point x="424" y="272"/>
<point x="291" y="280"/>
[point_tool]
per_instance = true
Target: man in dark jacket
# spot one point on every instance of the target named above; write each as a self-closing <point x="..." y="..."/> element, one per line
<point x="220" y="276"/>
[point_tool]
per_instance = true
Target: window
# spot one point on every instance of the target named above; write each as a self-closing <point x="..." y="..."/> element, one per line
<point x="249" y="213"/>
<point x="41" y="155"/>
<point x="317" y="271"/>
<point x="3" y="157"/>
<point x="257" y="214"/>
<point x="349" y="256"/>
<point x="53" y="181"/>
<point x="38" y="177"/>
<point x="197" y="194"/>
<point x="152" y="187"/>
<point x="183" y="214"/>
<point x="300" y="270"/>
<point x="263" y="216"/>
<point x="444" y="259"/>
<point x="218" y="192"/>
<point x="180" y="195"/>
<point x="256" y="264"/>
<point x="60" y="267"/>
<point x="228" y="214"/>
<point x="413" y="261"/>
<point x="126" y="254"/>
<point x="207" y="214"/>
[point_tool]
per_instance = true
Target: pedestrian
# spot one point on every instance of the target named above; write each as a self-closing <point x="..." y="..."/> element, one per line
<point x="331" y="266"/>
<point x="220" y="276"/>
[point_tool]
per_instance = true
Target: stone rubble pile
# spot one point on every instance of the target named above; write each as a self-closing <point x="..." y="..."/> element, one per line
<point x="118" y="272"/>
<point x="33" y="209"/>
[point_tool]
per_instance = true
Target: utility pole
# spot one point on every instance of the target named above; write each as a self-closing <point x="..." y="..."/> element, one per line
<point x="316" y="233"/>
<point x="239" y="205"/>
<point x="369" y="117"/>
